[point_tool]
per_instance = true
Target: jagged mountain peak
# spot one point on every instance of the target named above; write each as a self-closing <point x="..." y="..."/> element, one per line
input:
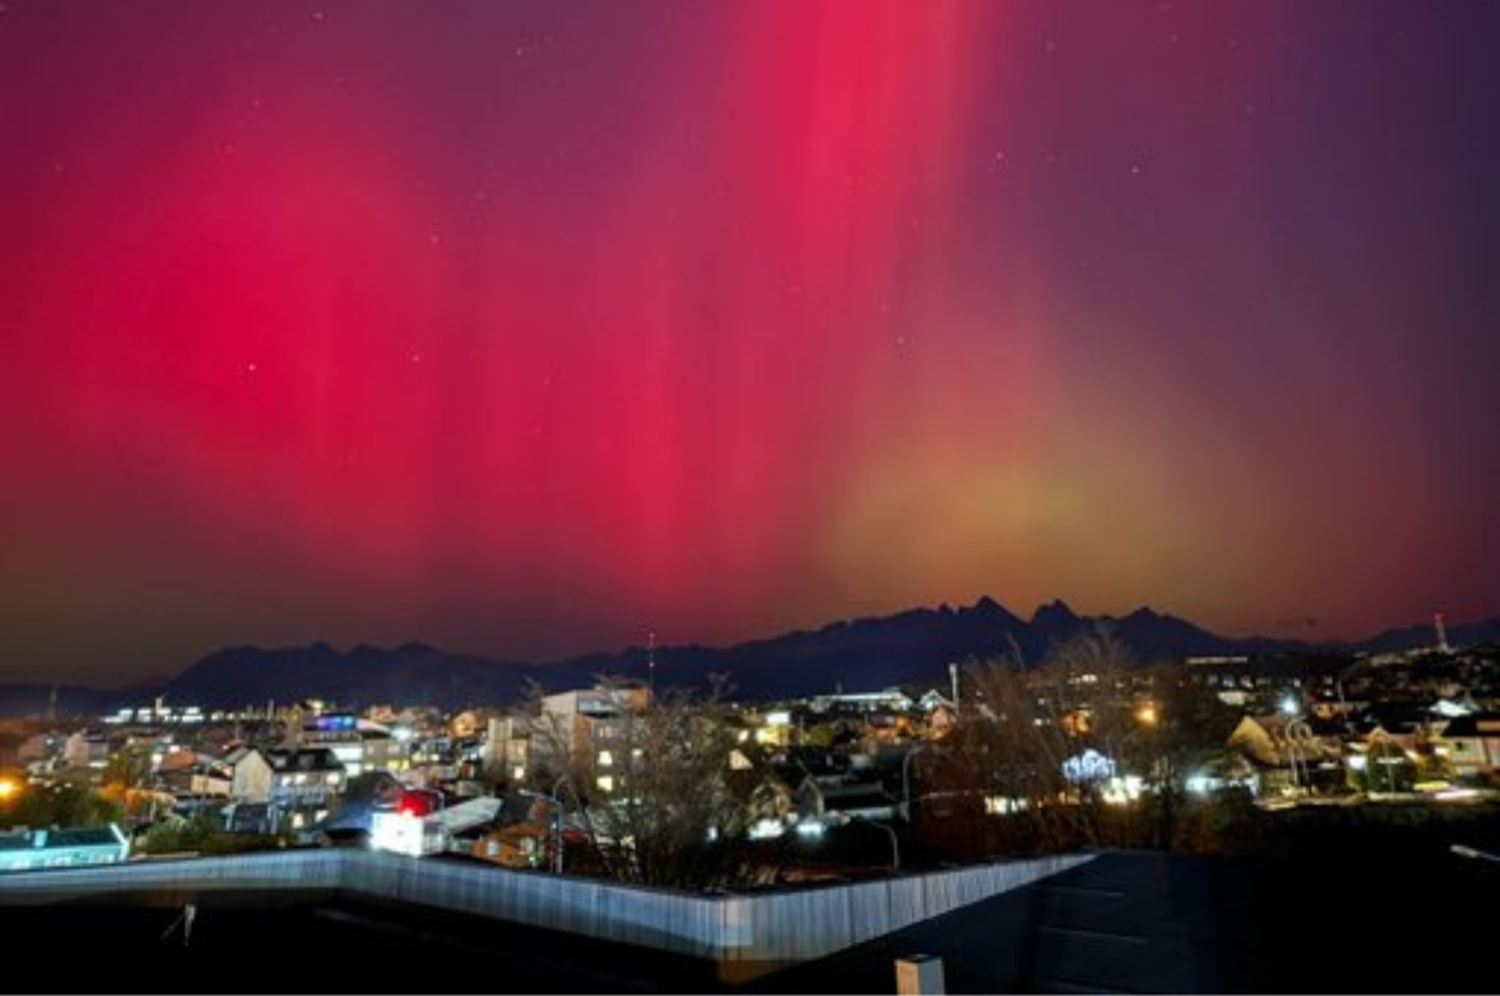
<point x="907" y="647"/>
<point x="1055" y="611"/>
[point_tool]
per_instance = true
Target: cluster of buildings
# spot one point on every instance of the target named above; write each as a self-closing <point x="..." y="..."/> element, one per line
<point x="1425" y="722"/>
<point x="486" y="781"/>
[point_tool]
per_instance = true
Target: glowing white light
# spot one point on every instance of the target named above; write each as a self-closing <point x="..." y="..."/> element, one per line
<point x="398" y="832"/>
<point x="1000" y="805"/>
<point x="766" y="829"/>
<point x="1088" y="766"/>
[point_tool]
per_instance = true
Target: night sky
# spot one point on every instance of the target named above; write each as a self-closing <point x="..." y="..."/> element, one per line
<point x="524" y="328"/>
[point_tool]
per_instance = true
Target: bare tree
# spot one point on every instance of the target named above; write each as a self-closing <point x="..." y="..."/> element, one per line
<point x="664" y="782"/>
<point x="1020" y="752"/>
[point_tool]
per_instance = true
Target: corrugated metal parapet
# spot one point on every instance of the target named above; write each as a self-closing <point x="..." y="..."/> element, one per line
<point x="746" y="935"/>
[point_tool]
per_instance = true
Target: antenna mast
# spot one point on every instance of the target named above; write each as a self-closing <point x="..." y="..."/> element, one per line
<point x="651" y="660"/>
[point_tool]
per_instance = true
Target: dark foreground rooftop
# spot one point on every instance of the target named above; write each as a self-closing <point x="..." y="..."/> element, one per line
<point x="1408" y="916"/>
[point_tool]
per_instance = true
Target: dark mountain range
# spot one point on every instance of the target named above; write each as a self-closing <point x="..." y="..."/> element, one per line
<point x="1422" y="635"/>
<point x="910" y="647"/>
<point x="411" y="674"/>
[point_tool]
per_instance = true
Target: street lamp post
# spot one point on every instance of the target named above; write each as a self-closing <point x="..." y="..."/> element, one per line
<point x="906" y="781"/>
<point x="1299" y="742"/>
<point x="557" y="816"/>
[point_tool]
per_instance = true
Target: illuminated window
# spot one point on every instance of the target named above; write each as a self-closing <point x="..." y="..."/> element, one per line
<point x="606" y="759"/>
<point x="606" y="783"/>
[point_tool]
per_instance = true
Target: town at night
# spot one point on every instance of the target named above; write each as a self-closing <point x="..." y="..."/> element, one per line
<point x="880" y="496"/>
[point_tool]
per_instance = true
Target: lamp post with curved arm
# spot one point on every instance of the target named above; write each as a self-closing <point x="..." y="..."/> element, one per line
<point x="895" y="844"/>
<point x="906" y="780"/>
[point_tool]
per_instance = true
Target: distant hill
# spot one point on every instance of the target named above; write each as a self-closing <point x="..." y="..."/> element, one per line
<point x="364" y="675"/>
<point x="911" y="647"/>
<point x="33" y="699"/>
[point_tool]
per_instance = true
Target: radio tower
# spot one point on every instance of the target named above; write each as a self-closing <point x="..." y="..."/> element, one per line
<point x="1442" y="633"/>
<point x="651" y="661"/>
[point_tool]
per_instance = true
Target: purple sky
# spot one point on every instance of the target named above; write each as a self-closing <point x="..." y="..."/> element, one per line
<point x="526" y="328"/>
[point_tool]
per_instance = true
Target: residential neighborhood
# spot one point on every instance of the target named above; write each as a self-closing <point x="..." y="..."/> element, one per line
<point x="587" y="780"/>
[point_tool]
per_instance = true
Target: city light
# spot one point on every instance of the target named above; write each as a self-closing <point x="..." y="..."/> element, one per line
<point x="766" y="829"/>
<point x="1000" y="805"/>
<point x="1088" y="766"/>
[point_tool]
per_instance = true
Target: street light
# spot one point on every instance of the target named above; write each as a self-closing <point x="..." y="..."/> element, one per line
<point x="1465" y="851"/>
